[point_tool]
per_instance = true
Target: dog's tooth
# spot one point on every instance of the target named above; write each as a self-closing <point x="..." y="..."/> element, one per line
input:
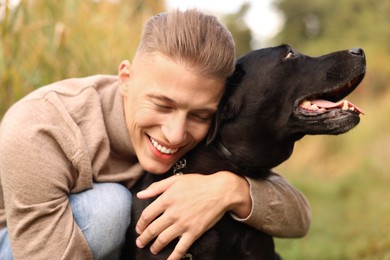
<point x="306" y="104"/>
<point x="314" y="107"/>
<point x="345" y="105"/>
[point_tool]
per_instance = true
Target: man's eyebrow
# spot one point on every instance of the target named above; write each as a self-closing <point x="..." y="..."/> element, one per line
<point x="169" y="100"/>
<point x="160" y="97"/>
<point x="205" y="110"/>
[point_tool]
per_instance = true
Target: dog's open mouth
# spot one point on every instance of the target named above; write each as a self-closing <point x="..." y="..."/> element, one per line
<point x="321" y="106"/>
<point x="330" y="100"/>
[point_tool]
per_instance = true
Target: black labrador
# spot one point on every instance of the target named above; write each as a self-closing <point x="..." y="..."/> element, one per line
<point x="275" y="97"/>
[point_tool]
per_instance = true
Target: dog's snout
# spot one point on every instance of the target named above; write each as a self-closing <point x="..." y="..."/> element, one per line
<point x="357" y="52"/>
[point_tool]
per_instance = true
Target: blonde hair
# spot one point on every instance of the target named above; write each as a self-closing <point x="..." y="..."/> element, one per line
<point x="191" y="37"/>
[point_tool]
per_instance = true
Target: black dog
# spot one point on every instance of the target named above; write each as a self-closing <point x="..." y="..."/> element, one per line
<point x="275" y="97"/>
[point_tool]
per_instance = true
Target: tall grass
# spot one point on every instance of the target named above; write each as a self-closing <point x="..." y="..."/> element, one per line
<point x="43" y="41"/>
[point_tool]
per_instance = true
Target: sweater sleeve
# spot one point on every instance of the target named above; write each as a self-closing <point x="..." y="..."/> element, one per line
<point x="37" y="175"/>
<point x="278" y="208"/>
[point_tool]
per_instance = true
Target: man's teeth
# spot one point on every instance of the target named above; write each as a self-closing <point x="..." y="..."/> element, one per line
<point x="161" y="148"/>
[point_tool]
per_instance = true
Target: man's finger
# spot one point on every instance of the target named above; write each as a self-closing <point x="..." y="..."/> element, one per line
<point x="152" y="231"/>
<point x="156" y="188"/>
<point x="182" y="247"/>
<point x="166" y="237"/>
<point x="149" y="215"/>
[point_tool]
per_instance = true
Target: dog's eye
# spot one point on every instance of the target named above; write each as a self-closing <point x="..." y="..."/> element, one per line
<point x="290" y="55"/>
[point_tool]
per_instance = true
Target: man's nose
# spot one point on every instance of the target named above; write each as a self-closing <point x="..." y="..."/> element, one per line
<point x="175" y="129"/>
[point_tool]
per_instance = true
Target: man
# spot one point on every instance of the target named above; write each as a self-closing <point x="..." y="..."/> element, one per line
<point x="70" y="151"/>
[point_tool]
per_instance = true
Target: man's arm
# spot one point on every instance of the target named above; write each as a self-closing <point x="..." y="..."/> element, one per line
<point x="36" y="178"/>
<point x="278" y="208"/>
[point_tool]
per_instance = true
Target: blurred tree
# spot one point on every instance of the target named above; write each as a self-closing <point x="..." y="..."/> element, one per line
<point x="322" y="26"/>
<point x="42" y="41"/>
<point x="239" y="29"/>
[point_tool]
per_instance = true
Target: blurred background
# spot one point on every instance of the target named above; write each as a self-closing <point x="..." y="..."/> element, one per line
<point x="345" y="178"/>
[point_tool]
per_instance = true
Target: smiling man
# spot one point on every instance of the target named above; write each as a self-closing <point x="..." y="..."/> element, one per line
<point x="168" y="111"/>
<point x="70" y="151"/>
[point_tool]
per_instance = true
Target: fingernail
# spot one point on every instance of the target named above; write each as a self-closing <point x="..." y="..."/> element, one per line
<point x="138" y="230"/>
<point x="139" y="243"/>
<point x="140" y="193"/>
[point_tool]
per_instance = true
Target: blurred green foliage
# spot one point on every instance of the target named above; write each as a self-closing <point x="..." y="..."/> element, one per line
<point x="242" y="34"/>
<point x="345" y="178"/>
<point x="322" y="26"/>
<point x="42" y="41"/>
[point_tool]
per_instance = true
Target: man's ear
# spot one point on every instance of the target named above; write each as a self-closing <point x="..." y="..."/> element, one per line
<point x="124" y="75"/>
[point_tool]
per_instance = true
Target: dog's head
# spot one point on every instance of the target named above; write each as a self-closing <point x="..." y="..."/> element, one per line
<point x="278" y="95"/>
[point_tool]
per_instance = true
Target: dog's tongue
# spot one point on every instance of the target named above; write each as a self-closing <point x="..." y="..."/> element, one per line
<point x="341" y="104"/>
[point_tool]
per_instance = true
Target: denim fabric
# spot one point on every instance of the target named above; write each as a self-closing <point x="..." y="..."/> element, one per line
<point x="5" y="248"/>
<point x="103" y="215"/>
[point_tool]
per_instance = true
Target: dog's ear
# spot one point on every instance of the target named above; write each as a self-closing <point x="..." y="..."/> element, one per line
<point x="226" y="108"/>
<point x="213" y="129"/>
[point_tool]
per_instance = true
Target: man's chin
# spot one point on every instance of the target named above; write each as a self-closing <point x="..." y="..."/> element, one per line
<point x="157" y="168"/>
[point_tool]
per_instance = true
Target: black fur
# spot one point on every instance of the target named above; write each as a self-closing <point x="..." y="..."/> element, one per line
<point x="256" y="126"/>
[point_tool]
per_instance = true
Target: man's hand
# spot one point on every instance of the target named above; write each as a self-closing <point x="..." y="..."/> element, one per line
<point x="188" y="206"/>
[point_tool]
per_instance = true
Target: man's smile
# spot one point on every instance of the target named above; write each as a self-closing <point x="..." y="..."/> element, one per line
<point x="162" y="149"/>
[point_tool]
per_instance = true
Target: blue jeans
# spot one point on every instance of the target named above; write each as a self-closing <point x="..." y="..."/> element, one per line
<point x="103" y="215"/>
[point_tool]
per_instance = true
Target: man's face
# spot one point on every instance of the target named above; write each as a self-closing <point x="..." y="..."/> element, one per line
<point x="168" y="108"/>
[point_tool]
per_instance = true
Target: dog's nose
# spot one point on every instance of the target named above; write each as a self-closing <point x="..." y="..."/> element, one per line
<point x="357" y="51"/>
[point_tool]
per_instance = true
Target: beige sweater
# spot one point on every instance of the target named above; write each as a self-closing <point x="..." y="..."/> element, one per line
<point x="63" y="137"/>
